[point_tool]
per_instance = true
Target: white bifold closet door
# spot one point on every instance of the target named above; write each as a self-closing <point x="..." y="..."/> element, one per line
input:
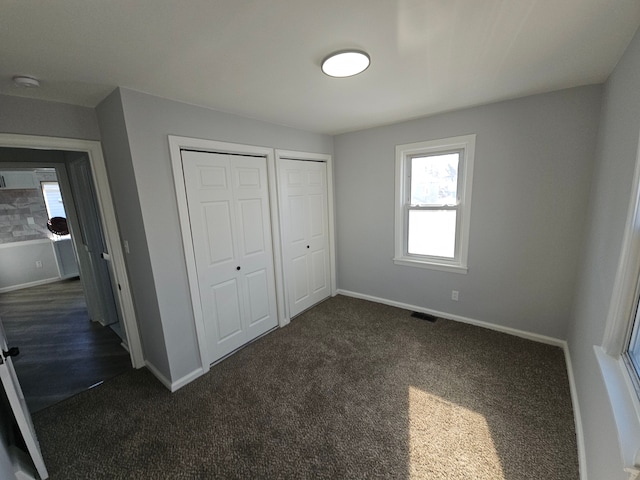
<point x="305" y="226"/>
<point x="229" y="213"/>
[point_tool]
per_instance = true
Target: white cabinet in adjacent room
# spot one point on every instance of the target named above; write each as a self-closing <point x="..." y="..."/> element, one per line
<point x="18" y="179"/>
<point x="66" y="258"/>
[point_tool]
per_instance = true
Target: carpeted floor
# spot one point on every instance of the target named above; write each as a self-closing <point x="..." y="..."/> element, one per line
<point x="351" y="389"/>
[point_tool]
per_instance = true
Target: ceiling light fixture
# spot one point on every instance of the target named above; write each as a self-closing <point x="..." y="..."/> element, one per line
<point x="346" y="63"/>
<point x="25" y="81"/>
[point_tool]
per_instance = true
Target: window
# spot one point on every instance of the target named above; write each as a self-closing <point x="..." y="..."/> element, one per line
<point x="433" y="198"/>
<point x="53" y="201"/>
<point x="619" y="355"/>
<point x="631" y="355"/>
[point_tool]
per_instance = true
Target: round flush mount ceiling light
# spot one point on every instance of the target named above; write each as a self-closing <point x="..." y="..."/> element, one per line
<point x="346" y="63"/>
<point x="25" y="81"/>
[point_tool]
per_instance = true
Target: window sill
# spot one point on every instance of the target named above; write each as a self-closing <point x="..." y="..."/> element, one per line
<point x="444" y="267"/>
<point x="625" y="406"/>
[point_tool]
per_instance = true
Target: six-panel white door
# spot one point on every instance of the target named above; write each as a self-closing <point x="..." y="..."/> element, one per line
<point x="228" y="203"/>
<point x="305" y="226"/>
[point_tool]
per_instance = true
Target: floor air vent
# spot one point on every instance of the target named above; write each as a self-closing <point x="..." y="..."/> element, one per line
<point x="424" y="316"/>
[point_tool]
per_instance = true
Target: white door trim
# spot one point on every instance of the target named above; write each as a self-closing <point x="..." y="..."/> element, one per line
<point x="176" y="144"/>
<point x="315" y="157"/>
<point x="108" y="217"/>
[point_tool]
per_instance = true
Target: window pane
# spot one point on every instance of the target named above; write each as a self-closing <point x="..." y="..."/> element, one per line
<point x="434" y="179"/>
<point x="432" y="232"/>
<point x="634" y="344"/>
<point x="53" y="199"/>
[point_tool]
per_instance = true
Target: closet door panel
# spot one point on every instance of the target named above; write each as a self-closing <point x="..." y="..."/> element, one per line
<point x="227" y="197"/>
<point x="225" y="306"/>
<point x="304" y="214"/>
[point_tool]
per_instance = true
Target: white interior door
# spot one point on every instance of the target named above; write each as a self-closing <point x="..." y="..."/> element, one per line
<point x="19" y="406"/>
<point x="99" y="281"/>
<point x="228" y="203"/>
<point x="305" y="224"/>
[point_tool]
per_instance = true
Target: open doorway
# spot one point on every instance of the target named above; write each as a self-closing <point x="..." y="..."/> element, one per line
<point x="68" y="322"/>
<point x="62" y="352"/>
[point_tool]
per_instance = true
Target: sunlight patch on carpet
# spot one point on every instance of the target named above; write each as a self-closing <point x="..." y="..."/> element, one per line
<point x="449" y="441"/>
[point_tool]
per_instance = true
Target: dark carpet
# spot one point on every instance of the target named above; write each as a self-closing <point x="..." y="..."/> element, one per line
<point x="351" y="389"/>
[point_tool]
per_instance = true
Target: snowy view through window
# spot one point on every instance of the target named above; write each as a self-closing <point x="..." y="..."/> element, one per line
<point x="434" y="183"/>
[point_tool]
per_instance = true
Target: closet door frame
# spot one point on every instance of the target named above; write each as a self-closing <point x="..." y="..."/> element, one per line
<point x="176" y="145"/>
<point x="314" y="157"/>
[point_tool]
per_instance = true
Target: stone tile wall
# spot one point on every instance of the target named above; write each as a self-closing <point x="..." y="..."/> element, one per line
<point x="16" y="206"/>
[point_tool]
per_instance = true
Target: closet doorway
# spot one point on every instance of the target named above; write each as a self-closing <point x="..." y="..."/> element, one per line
<point x="226" y="197"/>
<point x="230" y="218"/>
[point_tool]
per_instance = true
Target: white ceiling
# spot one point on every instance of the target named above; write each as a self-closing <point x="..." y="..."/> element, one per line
<point x="261" y="58"/>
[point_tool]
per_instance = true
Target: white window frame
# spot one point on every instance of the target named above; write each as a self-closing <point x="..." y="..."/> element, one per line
<point x="464" y="144"/>
<point x="619" y="376"/>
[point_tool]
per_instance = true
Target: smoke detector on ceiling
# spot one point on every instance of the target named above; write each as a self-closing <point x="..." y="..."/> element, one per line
<point x="25" y="81"/>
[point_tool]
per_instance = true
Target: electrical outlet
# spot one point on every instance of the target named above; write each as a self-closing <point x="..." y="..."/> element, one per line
<point x="126" y="246"/>
<point x="454" y="295"/>
<point x="38" y="264"/>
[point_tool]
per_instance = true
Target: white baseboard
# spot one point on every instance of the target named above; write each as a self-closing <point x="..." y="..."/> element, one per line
<point x="20" y="286"/>
<point x="24" y="243"/>
<point x="181" y="382"/>
<point x="22" y="465"/>
<point x="577" y="417"/>
<point x="173" y="386"/>
<point x="458" y="318"/>
<point x="164" y="380"/>
<point x="284" y="321"/>
<point x="511" y="331"/>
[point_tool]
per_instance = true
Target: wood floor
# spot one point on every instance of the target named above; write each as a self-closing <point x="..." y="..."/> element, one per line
<point x="62" y="352"/>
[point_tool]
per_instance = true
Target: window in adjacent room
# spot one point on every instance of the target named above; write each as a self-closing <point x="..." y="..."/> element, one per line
<point x="53" y="201"/>
<point x="433" y="199"/>
<point x="631" y="355"/>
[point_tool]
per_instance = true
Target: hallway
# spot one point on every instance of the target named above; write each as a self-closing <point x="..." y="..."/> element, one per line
<point x="62" y="352"/>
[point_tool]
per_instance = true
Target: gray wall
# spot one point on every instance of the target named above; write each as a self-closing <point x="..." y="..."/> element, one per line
<point x="18" y="262"/>
<point x="115" y="145"/>
<point x="28" y="116"/>
<point x="615" y="161"/>
<point x="148" y="121"/>
<point x="531" y="182"/>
